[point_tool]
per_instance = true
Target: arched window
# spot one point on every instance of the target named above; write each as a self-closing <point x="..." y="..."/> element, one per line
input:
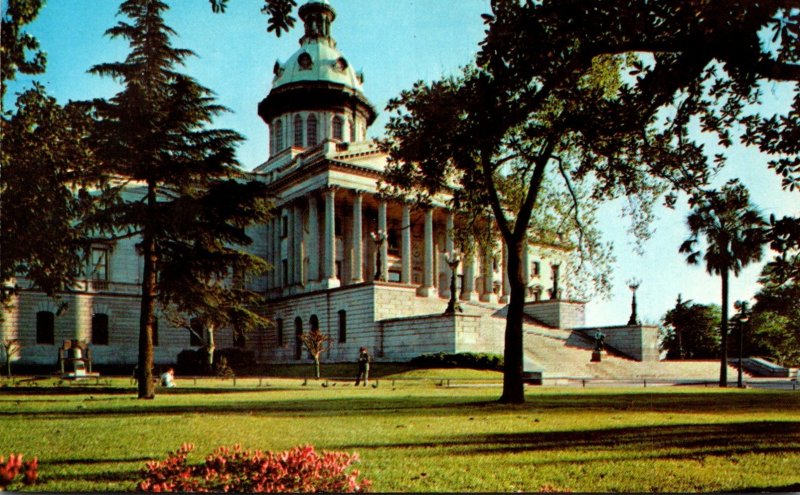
<point x="278" y="136"/>
<point x="100" y="329"/>
<point x="342" y="326"/>
<point x="279" y="331"/>
<point x="45" y="327"/>
<point x="311" y="131"/>
<point x="313" y="322"/>
<point x="352" y="126"/>
<point x="298" y="131"/>
<point x="298" y="341"/>
<point x="338" y="128"/>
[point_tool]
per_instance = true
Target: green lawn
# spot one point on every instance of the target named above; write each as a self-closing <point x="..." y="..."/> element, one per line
<point x="419" y="436"/>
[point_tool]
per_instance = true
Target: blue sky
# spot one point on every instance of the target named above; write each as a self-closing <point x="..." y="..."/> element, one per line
<point x="395" y="43"/>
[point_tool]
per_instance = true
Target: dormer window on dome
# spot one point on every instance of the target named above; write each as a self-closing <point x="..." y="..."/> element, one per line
<point x="304" y="61"/>
<point x="341" y="64"/>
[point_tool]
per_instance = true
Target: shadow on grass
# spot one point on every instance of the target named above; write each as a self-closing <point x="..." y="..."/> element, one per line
<point x="93" y="460"/>
<point x="684" y="441"/>
<point x="229" y="403"/>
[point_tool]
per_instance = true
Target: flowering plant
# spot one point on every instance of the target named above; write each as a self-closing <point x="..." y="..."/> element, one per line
<point x="300" y="469"/>
<point x="14" y="466"/>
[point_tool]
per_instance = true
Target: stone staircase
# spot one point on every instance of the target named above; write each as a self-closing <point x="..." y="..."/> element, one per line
<point x="563" y="353"/>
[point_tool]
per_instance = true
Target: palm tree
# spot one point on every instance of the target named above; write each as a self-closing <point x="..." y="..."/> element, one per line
<point x="733" y="233"/>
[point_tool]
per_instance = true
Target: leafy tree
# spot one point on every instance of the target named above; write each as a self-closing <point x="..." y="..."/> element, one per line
<point x="316" y="342"/>
<point x="483" y="131"/>
<point x="47" y="171"/>
<point x="774" y="329"/>
<point x="691" y="331"/>
<point x="534" y="95"/>
<point x="732" y="230"/>
<point x="184" y="194"/>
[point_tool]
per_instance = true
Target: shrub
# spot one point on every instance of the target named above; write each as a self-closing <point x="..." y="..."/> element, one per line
<point x="10" y="469"/>
<point x="192" y="362"/>
<point x="478" y="361"/>
<point x="300" y="469"/>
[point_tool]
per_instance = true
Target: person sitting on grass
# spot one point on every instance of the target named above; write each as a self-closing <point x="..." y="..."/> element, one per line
<point x="168" y="378"/>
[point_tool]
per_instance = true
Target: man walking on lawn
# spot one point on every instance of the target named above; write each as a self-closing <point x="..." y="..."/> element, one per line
<point x="363" y="366"/>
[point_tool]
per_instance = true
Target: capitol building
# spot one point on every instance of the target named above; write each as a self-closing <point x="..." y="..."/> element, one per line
<point x="368" y="270"/>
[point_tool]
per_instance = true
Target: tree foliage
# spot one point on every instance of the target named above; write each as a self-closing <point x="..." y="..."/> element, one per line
<point x="19" y="51"/>
<point x="183" y="194"/>
<point x="534" y="98"/>
<point x="47" y="175"/>
<point x="774" y="329"/>
<point x="691" y="331"/>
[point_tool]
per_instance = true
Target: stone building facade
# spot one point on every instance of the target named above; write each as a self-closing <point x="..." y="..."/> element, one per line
<point x="366" y="270"/>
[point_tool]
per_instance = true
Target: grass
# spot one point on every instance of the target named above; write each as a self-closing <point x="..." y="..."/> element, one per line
<point x="417" y="436"/>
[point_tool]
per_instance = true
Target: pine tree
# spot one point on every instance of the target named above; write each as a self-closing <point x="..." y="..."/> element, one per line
<point x="180" y="188"/>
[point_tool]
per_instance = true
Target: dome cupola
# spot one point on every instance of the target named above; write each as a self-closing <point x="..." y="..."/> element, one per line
<point x="316" y="94"/>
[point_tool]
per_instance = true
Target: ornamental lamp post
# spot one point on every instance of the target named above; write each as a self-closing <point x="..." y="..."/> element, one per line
<point x="741" y="320"/>
<point x="633" y="285"/>
<point x="453" y="259"/>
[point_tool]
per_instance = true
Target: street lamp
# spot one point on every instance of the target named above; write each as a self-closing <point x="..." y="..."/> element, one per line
<point x="453" y="305"/>
<point x="633" y="285"/>
<point x="378" y="237"/>
<point x="741" y="319"/>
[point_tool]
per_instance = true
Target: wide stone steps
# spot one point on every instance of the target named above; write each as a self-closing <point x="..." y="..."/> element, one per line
<point x="563" y="353"/>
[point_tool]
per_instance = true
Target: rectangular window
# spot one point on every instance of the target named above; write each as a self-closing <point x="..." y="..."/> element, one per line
<point x="536" y="269"/>
<point x="285" y="272"/>
<point x="99" y="264"/>
<point x="284" y="226"/>
<point x="45" y="327"/>
<point x="100" y="329"/>
<point x="279" y="331"/>
<point x="98" y="268"/>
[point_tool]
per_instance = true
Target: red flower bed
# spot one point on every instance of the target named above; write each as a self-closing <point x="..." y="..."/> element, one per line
<point x="300" y="469"/>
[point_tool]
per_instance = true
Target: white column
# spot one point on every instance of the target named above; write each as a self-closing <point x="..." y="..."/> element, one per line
<point x="468" y="290"/>
<point x="449" y="245"/>
<point x="277" y="279"/>
<point x="405" y="246"/>
<point x="427" y="289"/>
<point x="385" y="245"/>
<point x="290" y="246"/>
<point x="488" y="277"/>
<point x="330" y="239"/>
<point x="357" y="267"/>
<point x="299" y="256"/>
<point x="313" y="239"/>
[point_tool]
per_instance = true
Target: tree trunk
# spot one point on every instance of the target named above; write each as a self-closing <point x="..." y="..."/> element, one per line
<point x="723" y="369"/>
<point x="210" y="348"/>
<point x="513" y="386"/>
<point x="146" y="386"/>
<point x="316" y="367"/>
